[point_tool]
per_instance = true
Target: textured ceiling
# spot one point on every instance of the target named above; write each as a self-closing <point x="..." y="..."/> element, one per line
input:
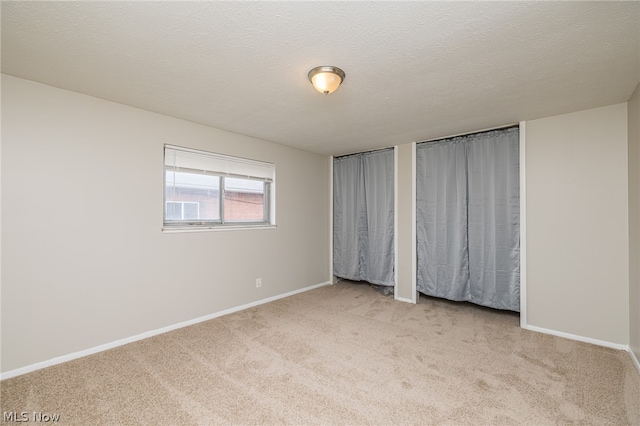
<point x="415" y="70"/>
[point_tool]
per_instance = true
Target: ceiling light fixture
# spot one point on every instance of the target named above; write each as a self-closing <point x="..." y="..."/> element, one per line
<point x="326" y="79"/>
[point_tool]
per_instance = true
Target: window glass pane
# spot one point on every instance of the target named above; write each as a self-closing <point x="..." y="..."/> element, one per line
<point x="174" y="211"/>
<point x="192" y="196"/>
<point x="191" y="211"/>
<point x="243" y="200"/>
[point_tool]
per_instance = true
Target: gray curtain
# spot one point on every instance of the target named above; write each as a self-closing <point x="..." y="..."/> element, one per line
<point x="363" y="217"/>
<point x="468" y="218"/>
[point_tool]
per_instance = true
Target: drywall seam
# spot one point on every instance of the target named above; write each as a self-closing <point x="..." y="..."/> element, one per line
<point x="75" y="355"/>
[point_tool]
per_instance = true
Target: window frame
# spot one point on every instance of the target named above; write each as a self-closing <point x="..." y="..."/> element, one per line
<point x="268" y="190"/>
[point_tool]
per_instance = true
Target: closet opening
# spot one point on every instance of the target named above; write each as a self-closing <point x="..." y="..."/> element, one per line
<point x="468" y="218"/>
<point x="363" y="218"/>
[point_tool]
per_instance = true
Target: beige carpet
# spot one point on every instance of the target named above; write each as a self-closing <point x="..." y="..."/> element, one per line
<point x="342" y="354"/>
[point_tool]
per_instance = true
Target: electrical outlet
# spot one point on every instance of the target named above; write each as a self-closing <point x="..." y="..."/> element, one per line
<point x="258" y="282"/>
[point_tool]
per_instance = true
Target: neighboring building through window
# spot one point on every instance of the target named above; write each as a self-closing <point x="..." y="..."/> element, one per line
<point x="206" y="190"/>
<point x="182" y="210"/>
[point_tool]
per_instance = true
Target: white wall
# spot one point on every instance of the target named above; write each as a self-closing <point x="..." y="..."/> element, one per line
<point x="84" y="261"/>
<point x="577" y="224"/>
<point x="405" y="237"/>
<point x="633" y="118"/>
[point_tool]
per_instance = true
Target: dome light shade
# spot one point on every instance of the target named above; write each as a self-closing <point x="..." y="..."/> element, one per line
<point x="326" y="79"/>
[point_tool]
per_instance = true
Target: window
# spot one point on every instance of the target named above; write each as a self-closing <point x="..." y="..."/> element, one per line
<point x="208" y="190"/>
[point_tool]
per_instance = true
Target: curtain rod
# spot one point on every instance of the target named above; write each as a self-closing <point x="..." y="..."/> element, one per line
<point x="507" y="126"/>
<point x="362" y="152"/>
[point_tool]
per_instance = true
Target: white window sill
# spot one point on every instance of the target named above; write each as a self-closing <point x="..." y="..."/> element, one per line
<point x="180" y="229"/>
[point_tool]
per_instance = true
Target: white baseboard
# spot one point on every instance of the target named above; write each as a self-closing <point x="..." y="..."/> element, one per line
<point x="634" y="359"/>
<point x="578" y="338"/>
<point x="404" y="299"/>
<point x="147" y="334"/>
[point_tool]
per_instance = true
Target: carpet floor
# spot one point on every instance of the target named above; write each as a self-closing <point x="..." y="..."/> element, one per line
<point x="341" y="354"/>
